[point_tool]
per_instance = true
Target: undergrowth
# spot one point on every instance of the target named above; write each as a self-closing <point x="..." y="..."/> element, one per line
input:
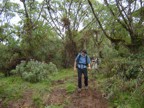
<point x="121" y="81"/>
<point x="13" y="88"/>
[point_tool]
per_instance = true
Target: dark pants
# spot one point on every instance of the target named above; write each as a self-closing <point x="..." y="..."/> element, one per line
<point x="80" y="72"/>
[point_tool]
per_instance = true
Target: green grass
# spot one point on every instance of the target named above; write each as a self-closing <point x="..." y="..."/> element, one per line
<point x="70" y="88"/>
<point x="13" y="88"/>
<point x="67" y="75"/>
<point x="125" y="95"/>
<point x="1" y="75"/>
<point x="62" y="74"/>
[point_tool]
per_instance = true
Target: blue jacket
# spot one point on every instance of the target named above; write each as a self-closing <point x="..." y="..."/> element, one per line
<point x="82" y="61"/>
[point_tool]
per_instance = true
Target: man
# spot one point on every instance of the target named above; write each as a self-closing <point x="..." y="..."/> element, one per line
<point x="82" y="62"/>
<point x="95" y="61"/>
<point x="94" y="66"/>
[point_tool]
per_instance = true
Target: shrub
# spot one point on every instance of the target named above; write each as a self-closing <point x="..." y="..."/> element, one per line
<point x="52" y="68"/>
<point x="35" y="71"/>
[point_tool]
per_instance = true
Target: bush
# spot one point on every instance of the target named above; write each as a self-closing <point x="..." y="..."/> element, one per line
<point x="34" y="71"/>
<point x="52" y="68"/>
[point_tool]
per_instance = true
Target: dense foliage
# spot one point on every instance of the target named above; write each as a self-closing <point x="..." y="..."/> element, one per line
<point x="35" y="71"/>
<point x="50" y="33"/>
<point x="121" y="78"/>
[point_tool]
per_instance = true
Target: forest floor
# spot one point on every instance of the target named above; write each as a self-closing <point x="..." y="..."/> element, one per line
<point x="91" y="98"/>
<point x="62" y="93"/>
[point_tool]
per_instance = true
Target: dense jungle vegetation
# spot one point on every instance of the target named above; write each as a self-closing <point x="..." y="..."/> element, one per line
<point x="39" y="40"/>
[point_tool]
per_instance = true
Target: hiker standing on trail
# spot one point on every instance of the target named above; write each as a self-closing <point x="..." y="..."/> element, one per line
<point x="81" y="64"/>
<point x="94" y="63"/>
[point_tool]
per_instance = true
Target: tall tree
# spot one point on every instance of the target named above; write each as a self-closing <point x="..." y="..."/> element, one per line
<point x="67" y="17"/>
<point x="122" y="14"/>
<point x="30" y="38"/>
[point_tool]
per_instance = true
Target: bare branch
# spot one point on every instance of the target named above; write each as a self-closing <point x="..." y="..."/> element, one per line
<point x="39" y="13"/>
<point x="79" y="8"/>
<point x="88" y="25"/>
<point x="26" y="12"/>
<point x="98" y="20"/>
<point x="122" y="10"/>
<point x="124" y="25"/>
<point x="52" y="19"/>
<point x="70" y="7"/>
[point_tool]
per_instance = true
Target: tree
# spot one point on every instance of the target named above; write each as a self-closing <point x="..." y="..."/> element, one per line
<point x="66" y="17"/>
<point x="122" y="15"/>
<point x="31" y="38"/>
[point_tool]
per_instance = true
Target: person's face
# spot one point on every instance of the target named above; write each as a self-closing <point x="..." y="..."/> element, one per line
<point x="83" y="54"/>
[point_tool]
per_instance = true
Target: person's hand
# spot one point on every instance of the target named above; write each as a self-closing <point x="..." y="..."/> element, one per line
<point x="75" y="69"/>
<point x="89" y="68"/>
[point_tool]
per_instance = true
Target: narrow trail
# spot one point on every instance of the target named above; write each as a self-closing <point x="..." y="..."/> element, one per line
<point x="90" y="98"/>
<point x="59" y="97"/>
<point x="87" y="99"/>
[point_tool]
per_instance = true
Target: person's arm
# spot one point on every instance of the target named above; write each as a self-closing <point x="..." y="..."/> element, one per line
<point x="89" y="66"/>
<point x="75" y="65"/>
<point x="75" y="62"/>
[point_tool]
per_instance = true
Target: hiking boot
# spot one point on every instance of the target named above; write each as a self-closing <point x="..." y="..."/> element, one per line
<point x="86" y="87"/>
<point x="79" y="89"/>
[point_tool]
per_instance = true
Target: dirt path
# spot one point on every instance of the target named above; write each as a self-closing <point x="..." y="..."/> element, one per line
<point x="87" y="99"/>
<point x="60" y="97"/>
<point x="90" y="98"/>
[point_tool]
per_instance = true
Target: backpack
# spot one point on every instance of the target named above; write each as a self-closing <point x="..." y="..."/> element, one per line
<point x="77" y="61"/>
